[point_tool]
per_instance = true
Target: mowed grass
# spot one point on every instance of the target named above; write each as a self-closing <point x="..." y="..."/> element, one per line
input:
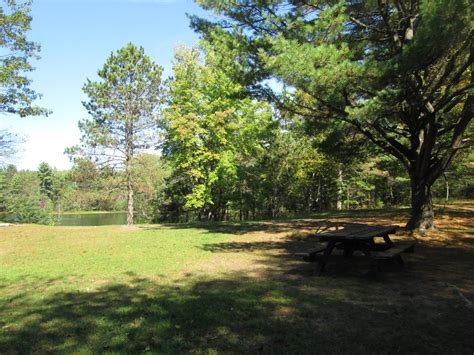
<point x="231" y="288"/>
<point x="94" y="254"/>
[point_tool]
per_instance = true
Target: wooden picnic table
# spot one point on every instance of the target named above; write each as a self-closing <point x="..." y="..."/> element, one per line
<point x="359" y="237"/>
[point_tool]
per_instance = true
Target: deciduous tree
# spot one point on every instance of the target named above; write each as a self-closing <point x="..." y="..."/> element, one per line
<point x="208" y="125"/>
<point x="400" y="71"/>
<point x="17" y="52"/>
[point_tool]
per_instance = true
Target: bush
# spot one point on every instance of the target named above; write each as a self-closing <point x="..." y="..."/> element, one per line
<point x="24" y="201"/>
<point x="27" y="210"/>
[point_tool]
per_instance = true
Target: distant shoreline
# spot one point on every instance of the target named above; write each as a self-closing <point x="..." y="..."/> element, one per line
<point x="86" y="212"/>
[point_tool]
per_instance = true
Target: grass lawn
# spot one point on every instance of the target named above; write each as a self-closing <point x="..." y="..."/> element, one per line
<point x="228" y="288"/>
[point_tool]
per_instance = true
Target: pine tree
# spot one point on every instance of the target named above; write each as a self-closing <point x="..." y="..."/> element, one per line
<point x="124" y="107"/>
<point x="401" y="72"/>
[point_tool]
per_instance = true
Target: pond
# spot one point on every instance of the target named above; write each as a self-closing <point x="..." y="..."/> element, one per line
<point x="91" y="219"/>
<point x="79" y="218"/>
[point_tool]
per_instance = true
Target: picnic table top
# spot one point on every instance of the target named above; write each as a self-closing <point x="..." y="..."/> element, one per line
<point x="357" y="232"/>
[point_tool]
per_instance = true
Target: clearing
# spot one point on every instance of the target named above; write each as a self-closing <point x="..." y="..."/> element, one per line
<point x="232" y="287"/>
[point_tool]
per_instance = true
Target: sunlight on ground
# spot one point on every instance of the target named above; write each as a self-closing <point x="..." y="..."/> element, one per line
<point x="231" y="288"/>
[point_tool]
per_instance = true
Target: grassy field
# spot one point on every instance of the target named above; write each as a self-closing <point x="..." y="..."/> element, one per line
<point x="228" y="288"/>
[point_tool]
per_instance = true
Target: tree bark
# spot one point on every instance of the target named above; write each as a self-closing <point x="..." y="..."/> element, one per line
<point x="422" y="214"/>
<point x="446" y="199"/>
<point x="129" y="199"/>
<point x="129" y="166"/>
<point x="339" y="190"/>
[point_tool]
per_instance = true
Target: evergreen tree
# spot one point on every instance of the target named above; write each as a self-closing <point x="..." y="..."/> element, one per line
<point x="124" y="107"/>
<point x="46" y="181"/>
<point x="401" y="72"/>
<point x="23" y="200"/>
<point x="3" y="190"/>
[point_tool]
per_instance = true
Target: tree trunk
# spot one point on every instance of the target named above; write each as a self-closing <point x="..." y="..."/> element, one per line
<point x="339" y="190"/>
<point x="422" y="214"/>
<point x="129" y="200"/>
<point x="446" y="199"/>
<point x="129" y="167"/>
<point x="390" y="187"/>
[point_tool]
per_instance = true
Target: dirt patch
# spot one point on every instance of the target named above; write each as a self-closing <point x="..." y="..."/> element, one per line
<point x="442" y="264"/>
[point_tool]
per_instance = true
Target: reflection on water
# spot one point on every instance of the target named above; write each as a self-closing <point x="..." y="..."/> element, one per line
<point x="91" y="219"/>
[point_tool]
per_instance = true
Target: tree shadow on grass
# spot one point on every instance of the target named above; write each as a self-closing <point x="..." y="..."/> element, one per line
<point x="314" y="226"/>
<point x="276" y="309"/>
<point x="317" y="222"/>
<point x="314" y="222"/>
<point x="234" y="314"/>
<point x="240" y="228"/>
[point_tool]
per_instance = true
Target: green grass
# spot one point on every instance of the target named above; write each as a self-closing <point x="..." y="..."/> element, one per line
<point x="93" y="254"/>
<point x="223" y="288"/>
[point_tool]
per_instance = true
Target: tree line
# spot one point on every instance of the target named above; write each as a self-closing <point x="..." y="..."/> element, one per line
<point x="291" y="108"/>
<point x="286" y="175"/>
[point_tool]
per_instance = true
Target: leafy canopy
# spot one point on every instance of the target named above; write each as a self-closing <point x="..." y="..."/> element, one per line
<point x="399" y="71"/>
<point x="208" y="125"/>
<point x="16" y="54"/>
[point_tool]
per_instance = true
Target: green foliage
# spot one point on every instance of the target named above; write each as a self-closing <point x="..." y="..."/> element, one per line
<point x="124" y="106"/>
<point x="230" y="159"/>
<point x="150" y="172"/>
<point x="47" y="186"/>
<point x="207" y="129"/>
<point x="16" y="96"/>
<point x="88" y="188"/>
<point x="3" y="190"/>
<point x="458" y="179"/>
<point x="24" y="202"/>
<point x="398" y="71"/>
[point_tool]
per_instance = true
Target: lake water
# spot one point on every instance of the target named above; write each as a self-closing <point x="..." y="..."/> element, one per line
<point x="91" y="219"/>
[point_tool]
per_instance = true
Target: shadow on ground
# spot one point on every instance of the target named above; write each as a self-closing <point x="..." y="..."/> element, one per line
<point x="239" y="314"/>
<point x="317" y="222"/>
<point x="278" y="308"/>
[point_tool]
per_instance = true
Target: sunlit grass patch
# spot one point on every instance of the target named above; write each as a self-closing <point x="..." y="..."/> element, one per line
<point x="227" y="287"/>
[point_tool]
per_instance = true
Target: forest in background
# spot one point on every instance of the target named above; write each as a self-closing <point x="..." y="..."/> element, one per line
<point x="283" y="108"/>
<point x="283" y="180"/>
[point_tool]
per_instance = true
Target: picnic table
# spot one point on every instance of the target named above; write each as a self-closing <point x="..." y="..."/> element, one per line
<point x="359" y="237"/>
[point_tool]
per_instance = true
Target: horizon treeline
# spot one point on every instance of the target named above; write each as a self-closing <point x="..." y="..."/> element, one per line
<point x="219" y="153"/>
<point x="282" y="108"/>
<point x="37" y="196"/>
<point x="279" y="172"/>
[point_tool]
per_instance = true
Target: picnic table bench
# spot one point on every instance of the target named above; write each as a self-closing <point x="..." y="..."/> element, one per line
<point x="358" y="237"/>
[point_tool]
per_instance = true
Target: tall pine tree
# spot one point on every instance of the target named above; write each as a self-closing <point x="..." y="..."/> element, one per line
<point x="124" y="106"/>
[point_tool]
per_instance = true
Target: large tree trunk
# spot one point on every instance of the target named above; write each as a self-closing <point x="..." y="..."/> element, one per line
<point x="422" y="215"/>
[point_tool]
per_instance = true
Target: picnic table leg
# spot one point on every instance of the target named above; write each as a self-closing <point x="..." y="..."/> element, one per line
<point x="349" y="249"/>
<point x="398" y="258"/>
<point x="387" y="240"/>
<point x="322" y="262"/>
<point x="374" y="264"/>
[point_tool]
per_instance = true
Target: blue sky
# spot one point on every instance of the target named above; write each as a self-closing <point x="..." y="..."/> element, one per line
<point x="76" y="37"/>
